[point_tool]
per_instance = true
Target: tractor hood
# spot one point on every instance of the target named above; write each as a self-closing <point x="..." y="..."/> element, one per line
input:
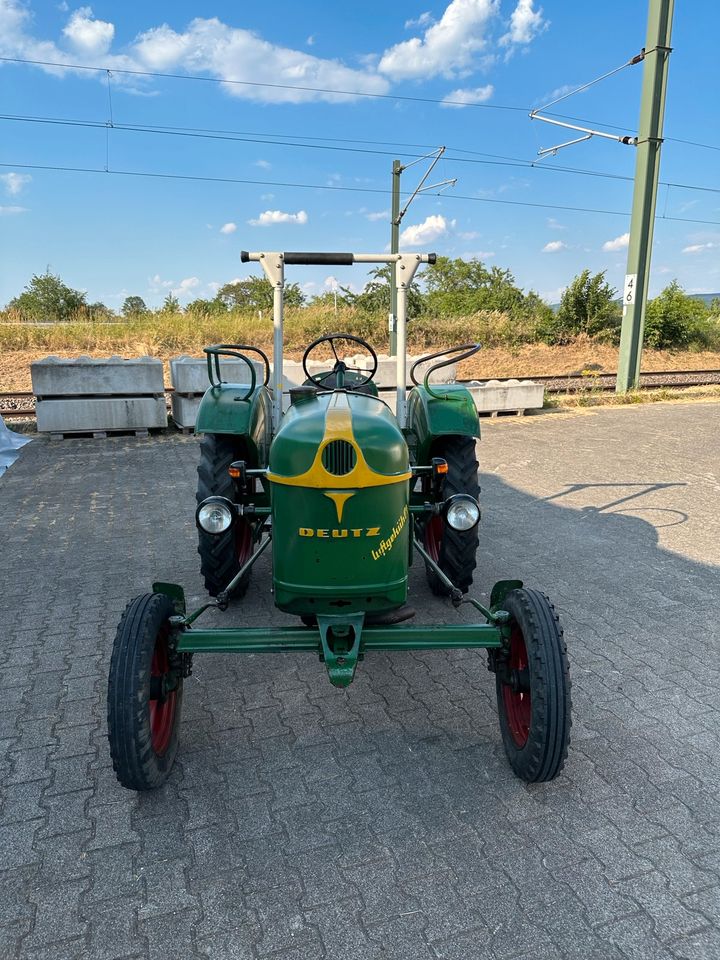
<point x="339" y="440"/>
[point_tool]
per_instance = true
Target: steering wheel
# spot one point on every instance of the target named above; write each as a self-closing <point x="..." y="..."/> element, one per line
<point x="340" y="368"/>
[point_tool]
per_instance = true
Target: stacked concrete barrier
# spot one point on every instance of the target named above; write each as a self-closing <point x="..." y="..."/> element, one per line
<point x="506" y="396"/>
<point x="189" y="378"/>
<point x="98" y="396"/>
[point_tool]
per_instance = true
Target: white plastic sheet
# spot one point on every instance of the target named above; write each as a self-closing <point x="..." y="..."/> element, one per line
<point x="10" y="443"/>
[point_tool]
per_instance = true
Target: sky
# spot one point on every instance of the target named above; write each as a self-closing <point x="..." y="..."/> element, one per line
<point x="198" y="169"/>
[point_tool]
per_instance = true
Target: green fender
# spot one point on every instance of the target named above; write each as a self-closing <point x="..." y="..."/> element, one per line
<point x="451" y="411"/>
<point x="224" y="409"/>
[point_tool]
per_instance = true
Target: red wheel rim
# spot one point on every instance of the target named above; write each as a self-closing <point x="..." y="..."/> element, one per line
<point x="243" y="542"/>
<point x="433" y="537"/>
<point x="162" y="712"/>
<point x="517" y="703"/>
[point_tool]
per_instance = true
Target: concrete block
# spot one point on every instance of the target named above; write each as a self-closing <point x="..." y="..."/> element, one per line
<point x="495" y="396"/>
<point x="100" y="413"/>
<point x="184" y="409"/>
<point x="90" y="376"/>
<point x="386" y="375"/>
<point x="190" y="374"/>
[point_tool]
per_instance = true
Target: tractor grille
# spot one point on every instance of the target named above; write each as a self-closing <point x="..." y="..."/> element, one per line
<point x="338" y="457"/>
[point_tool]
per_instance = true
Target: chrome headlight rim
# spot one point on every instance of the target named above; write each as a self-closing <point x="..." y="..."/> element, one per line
<point x="457" y="500"/>
<point x="225" y="505"/>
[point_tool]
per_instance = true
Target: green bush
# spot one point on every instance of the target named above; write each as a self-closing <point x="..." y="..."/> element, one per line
<point x="588" y="306"/>
<point x="674" y="319"/>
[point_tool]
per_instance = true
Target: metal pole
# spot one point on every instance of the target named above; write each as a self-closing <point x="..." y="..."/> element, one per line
<point x="647" y="168"/>
<point x="394" y="248"/>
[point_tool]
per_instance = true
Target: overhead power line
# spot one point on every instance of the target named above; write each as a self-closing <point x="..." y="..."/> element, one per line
<point x="329" y="143"/>
<point x="256" y="83"/>
<point x="334" y="187"/>
<point x="349" y="93"/>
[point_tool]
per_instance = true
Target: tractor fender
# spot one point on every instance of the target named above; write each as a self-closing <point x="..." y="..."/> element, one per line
<point x="226" y="409"/>
<point x="451" y="411"/>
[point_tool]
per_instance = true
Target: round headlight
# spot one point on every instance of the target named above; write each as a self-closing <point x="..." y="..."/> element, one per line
<point x="215" y="515"/>
<point x="462" y="512"/>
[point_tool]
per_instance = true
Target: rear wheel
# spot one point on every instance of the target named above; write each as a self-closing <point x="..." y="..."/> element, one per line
<point x="454" y="550"/>
<point x="144" y="694"/>
<point x="222" y="556"/>
<point x="533" y="688"/>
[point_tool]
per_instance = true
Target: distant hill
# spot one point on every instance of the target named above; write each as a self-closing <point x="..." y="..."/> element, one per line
<point x="707" y="299"/>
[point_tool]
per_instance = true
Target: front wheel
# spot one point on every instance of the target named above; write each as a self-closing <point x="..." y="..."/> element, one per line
<point x="144" y="694"/>
<point x="453" y="550"/>
<point x="533" y="688"/>
<point x="222" y="555"/>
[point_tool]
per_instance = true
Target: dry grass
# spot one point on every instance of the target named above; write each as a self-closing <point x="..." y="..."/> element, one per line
<point x="165" y="336"/>
<point x="665" y="394"/>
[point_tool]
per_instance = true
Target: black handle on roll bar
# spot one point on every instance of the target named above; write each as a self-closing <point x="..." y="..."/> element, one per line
<point x="320" y="259"/>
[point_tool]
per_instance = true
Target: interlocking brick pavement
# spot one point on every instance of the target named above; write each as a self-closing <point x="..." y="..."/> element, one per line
<point x="306" y="822"/>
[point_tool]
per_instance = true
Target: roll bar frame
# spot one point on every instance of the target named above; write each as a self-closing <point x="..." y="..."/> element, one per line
<point x="273" y="265"/>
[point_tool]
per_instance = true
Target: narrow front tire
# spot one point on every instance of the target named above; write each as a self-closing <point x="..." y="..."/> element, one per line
<point x="145" y="689"/>
<point x="533" y="688"/>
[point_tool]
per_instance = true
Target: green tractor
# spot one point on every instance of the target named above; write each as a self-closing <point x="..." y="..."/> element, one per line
<point x="346" y="493"/>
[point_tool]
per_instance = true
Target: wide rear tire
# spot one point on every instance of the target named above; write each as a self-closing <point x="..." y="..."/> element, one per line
<point x="142" y="720"/>
<point x="222" y="556"/>
<point x="454" y="550"/>
<point x="533" y="688"/>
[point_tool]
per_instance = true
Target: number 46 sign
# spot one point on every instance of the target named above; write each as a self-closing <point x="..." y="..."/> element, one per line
<point x="629" y="291"/>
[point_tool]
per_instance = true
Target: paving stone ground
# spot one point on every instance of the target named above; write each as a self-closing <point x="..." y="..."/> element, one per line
<point x="305" y="822"/>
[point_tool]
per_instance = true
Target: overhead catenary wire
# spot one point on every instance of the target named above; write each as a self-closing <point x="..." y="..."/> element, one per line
<point x="288" y="86"/>
<point x="332" y="187"/>
<point x="489" y="159"/>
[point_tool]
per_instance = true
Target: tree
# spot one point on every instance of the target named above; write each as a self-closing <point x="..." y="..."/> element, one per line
<point x="375" y="297"/>
<point x="47" y="298"/>
<point x="674" y="319"/>
<point x="588" y="306"/>
<point x="460" y="287"/>
<point x="98" y="311"/>
<point x="207" y="307"/>
<point x="133" y="306"/>
<point x="256" y="293"/>
<point x="171" y="304"/>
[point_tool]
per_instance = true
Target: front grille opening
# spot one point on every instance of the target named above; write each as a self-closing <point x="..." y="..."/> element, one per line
<point x="339" y="457"/>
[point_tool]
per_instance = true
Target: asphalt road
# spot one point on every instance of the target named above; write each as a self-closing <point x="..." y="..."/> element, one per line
<point x="304" y="822"/>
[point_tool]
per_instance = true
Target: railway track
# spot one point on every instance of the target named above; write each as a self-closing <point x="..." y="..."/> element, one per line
<point x="21" y="403"/>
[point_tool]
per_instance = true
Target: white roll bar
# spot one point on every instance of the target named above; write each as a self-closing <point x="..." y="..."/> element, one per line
<point x="273" y="264"/>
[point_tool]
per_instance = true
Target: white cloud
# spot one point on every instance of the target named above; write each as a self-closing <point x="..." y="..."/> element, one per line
<point x="554" y="246"/>
<point x="554" y="224"/>
<point x="420" y="21"/>
<point x="87" y="34"/>
<point x="205" y="45"/>
<point x="185" y="286"/>
<point x="700" y="247"/>
<point x="375" y="215"/>
<point x="459" y="43"/>
<point x="447" y="47"/>
<point x="431" y="229"/>
<point x="263" y="164"/>
<point x="525" y="23"/>
<point x="9" y="211"/>
<point x="157" y="284"/>
<point x="231" y="53"/>
<point x="459" y="98"/>
<point x="468" y="234"/>
<point x="270" y="217"/>
<point x="310" y="41"/>
<point x="619" y="243"/>
<point x="14" y="182"/>
<point x="228" y="228"/>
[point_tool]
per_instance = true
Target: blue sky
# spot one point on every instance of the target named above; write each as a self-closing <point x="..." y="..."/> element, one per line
<point x="118" y="234"/>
